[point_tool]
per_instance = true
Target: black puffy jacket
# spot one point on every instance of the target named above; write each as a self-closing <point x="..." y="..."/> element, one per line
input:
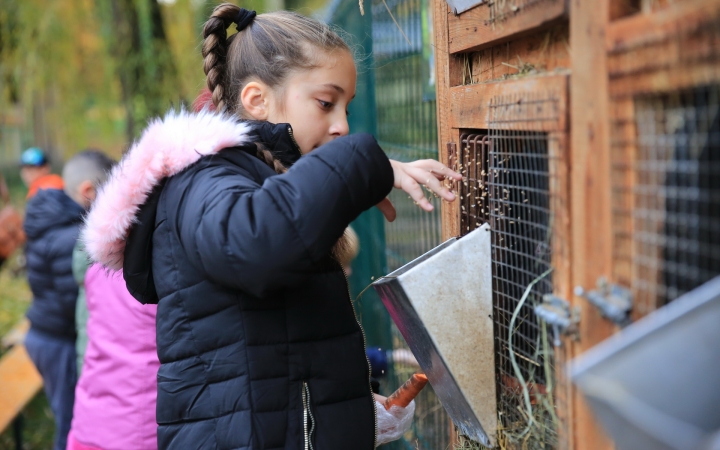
<point x="52" y="222"/>
<point x="256" y="332"/>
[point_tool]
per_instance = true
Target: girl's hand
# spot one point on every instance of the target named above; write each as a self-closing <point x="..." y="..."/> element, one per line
<point x="410" y="177"/>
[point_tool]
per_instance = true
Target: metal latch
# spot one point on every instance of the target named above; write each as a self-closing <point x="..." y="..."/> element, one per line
<point x="558" y="313"/>
<point x="613" y="301"/>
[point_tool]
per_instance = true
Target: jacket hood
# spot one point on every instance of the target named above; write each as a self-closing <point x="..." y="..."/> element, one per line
<point x="50" y="208"/>
<point x="167" y="147"/>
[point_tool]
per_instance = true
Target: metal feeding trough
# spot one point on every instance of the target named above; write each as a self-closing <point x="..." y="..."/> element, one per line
<point x="442" y="304"/>
<point x="655" y="385"/>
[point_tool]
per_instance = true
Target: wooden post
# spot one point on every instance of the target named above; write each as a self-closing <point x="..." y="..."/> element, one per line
<point x="446" y="76"/>
<point x="590" y="181"/>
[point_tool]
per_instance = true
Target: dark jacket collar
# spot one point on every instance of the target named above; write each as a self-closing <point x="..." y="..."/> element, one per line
<point x="278" y="138"/>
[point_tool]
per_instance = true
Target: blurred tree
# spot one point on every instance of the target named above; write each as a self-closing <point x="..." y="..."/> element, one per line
<point x="136" y="36"/>
<point x="78" y="73"/>
<point x="55" y="76"/>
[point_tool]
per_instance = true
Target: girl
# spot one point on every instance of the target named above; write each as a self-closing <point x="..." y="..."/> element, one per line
<point x="229" y="221"/>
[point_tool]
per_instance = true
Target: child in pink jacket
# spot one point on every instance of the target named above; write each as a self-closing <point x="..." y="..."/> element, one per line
<point x="116" y="394"/>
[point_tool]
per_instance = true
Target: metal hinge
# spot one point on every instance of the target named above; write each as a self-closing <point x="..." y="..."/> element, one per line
<point x="558" y="313"/>
<point x="613" y="301"/>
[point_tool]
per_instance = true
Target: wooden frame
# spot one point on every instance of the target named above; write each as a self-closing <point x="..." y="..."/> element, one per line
<point x="469" y="104"/>
<point x="619" y="50"/>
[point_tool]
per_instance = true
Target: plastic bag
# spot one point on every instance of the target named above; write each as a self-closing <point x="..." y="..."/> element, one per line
<point x="393" y="423"/>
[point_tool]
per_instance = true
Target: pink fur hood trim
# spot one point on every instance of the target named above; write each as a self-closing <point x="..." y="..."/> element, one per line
<point x="166" y="147"/>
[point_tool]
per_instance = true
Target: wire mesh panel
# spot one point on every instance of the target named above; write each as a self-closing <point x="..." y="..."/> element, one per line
<point x="407" y="131"/>
<point x="396" y="102"/>
<point x="520" y="217"/>
<point x="670" y="190"/>
<point x="512" y="182"/>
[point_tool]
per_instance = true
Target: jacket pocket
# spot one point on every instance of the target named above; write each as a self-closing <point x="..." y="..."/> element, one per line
<point x="308" y="419"/>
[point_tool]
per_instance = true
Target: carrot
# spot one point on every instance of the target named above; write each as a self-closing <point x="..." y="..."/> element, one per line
<point x="407" y="392"/>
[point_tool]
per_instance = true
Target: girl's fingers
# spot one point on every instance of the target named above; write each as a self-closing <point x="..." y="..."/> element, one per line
<point x="410" y="177"/>
<point x="433" y="184"/>
<point x="412" y="187"/>
<point x="437" y="168"/>
<point x="387" y="209"/>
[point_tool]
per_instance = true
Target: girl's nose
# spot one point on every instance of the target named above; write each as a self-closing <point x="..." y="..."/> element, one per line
<point x="340" y="126"/>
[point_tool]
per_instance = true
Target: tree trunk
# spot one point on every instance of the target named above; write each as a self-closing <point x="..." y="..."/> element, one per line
<point x="143" y="59"/>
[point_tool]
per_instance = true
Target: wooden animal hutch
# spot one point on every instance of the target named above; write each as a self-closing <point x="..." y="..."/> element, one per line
<point x="588" y="132"/>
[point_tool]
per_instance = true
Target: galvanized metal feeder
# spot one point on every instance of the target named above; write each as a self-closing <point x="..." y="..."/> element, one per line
<point x="655" y="385"/>
<point x="442" y="304"/>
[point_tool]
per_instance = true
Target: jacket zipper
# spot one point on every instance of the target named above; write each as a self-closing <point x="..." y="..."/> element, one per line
<point x="372" y="396"/>
<point x="292" y="137"/>
<point x="307" y="415"/>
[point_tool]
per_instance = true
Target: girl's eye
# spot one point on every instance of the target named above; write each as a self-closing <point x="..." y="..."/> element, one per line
<point x="325" y="105"/>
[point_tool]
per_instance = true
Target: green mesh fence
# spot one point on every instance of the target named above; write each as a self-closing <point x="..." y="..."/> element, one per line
<point x="396" y="103"/>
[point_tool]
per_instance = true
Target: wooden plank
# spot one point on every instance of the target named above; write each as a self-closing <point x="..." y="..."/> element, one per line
<point x="469" y="104"/>
<point x="545" y="51"/>
<point x="19" y="382"/>
<point x="590" y="188"/>
<point x="487" y="25"/>
<point x="623" y="141"/>
<point x="686" y="50"/>
<point x="559" y="170"/>
<point x="668" y="80"/>
<point x="677" y="19"/>
<point x="447" y="70"/>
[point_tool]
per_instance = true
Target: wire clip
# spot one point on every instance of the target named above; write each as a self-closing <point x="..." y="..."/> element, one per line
<point x="613" y="301"/>
<point x="557" y="313"/>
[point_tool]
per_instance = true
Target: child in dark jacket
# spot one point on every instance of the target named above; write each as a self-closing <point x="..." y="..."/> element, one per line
<point x="52" y="224"/>
<point x="231" y="221"/>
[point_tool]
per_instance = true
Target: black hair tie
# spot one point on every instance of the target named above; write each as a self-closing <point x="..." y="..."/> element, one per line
<point x="244" y="18"/>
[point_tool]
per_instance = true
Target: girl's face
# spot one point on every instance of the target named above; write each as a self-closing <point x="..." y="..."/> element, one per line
<point x="315" y="101"/>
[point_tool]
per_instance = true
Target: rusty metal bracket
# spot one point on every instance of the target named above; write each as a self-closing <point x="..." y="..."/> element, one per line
<point x="558" y="313"/>
<point x="614" y="302"/>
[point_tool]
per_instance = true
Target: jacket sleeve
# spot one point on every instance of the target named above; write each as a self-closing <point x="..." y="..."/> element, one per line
<point x="63" y="289"/>
<point x="80" y="265"/>
<point x="263" y="237"/>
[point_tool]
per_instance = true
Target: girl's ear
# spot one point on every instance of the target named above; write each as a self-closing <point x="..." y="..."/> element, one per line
<point x="255" y="98"/>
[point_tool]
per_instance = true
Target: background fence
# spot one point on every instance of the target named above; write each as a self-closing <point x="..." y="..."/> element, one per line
<point x="396" y="103"/>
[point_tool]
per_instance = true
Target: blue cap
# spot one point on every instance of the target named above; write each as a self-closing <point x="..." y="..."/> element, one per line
<point x="33" y="157"/>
